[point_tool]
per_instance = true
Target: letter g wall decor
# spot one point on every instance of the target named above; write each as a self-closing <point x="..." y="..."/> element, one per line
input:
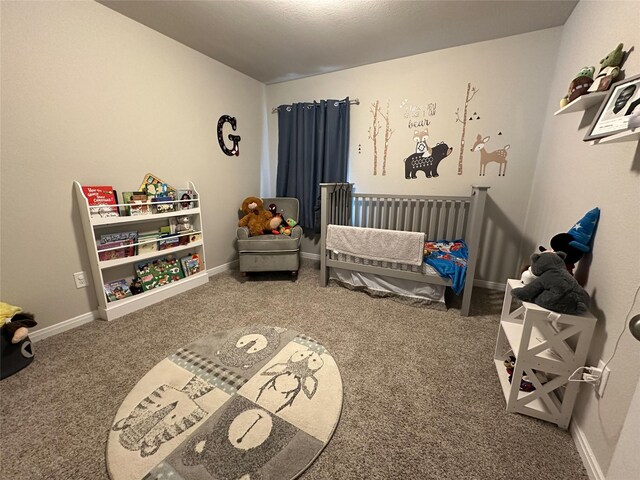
<point x="234" y="138"/>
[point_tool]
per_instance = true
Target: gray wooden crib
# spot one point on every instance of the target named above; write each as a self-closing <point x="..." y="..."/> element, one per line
<point x="439" y="218"/>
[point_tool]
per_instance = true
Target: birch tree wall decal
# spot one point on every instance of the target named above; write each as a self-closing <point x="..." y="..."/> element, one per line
<point x="387" y="135"/>
<point x="374" y="130"/>
<point x="471" y="91"/>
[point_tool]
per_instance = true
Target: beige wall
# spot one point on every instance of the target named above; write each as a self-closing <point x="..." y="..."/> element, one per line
<point x="90" y="95"/>
<point x="512" y="76"/>
<point x="571" y="178"/>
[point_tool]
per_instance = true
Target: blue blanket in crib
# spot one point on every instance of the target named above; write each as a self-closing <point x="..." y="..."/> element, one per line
<point x="449" y="259"/>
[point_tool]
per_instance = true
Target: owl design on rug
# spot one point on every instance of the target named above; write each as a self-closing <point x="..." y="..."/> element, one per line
<point x="294" y="376"/>
<point x="163" y="415"/>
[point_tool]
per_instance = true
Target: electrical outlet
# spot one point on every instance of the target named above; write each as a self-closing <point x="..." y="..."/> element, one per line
<point x="81" y="279"/>
<point x="603" y="378"/>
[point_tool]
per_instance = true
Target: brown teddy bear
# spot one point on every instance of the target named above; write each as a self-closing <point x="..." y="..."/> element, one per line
<point x="256" y="217"/>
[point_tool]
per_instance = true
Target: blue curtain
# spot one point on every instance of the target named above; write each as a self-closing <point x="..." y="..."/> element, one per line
<point x="313" y="146"/>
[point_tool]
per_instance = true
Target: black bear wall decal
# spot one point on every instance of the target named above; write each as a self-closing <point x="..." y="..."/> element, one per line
<point x="429" y="165"/>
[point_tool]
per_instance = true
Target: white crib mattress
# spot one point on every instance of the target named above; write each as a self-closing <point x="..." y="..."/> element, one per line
<point x="418" y="293"/>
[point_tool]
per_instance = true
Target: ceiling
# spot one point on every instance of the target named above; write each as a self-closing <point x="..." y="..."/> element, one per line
<point x="275" y="41"/>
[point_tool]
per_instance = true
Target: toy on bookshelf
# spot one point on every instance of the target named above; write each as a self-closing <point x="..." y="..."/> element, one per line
<point x="191" y="264"/>
<point x="135" y="286"/>
<point x="159" y="272"/>
<point x="154" y="186"/>
<point x="117" y="290"/>
<point x="100" y="199"/>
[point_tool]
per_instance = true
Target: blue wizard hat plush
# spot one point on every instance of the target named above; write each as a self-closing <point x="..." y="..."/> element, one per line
<point x="582" y="232"/>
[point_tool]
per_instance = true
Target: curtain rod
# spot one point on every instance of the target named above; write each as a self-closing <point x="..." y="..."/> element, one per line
<point x="355" y="101"/>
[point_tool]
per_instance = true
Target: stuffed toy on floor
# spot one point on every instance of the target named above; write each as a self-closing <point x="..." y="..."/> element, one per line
<point x="554" y="288"/>
<point x="15" y="323"/>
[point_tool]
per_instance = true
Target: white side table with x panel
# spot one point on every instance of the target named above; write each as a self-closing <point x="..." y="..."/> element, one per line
<point x="543" y="341"/>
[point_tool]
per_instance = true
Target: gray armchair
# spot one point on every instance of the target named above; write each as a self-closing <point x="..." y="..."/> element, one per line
<point x="271" y="253"/>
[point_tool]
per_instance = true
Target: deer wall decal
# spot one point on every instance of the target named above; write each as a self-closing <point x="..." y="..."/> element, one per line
<point x="498" y="156"/>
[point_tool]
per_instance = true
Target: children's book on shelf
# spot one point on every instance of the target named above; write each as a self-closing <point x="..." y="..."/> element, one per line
<point x="185" y="196"/>
<point x="100" y="199"/>
<point x="110" y="250"/>
<point x="116" y="237"/>
<point x="138" y="201"/>
<point x="163" y="204"/>
<point x="158" y="272"/>
<point x="117" y="290"/>
<point x="148" y="242"/>
<point x="191" y="264"/>
<point x="168" y="241"/>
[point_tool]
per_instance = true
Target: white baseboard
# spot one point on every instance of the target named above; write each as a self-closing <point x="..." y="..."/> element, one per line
<point x="63" y="326"/>
<point x="584" y="449"/>
<point x="489" y="285"/>
<point x="222" y="268"/>
<point x="310" y="256"/>
<point x="74" y="322"/>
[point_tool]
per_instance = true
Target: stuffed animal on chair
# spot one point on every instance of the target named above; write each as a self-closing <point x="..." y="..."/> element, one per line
<point x="554" y="288"/>
<point x="256" y="218"/>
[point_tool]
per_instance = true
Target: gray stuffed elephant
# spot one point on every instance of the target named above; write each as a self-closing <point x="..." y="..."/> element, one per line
<point x="555" y="288"/>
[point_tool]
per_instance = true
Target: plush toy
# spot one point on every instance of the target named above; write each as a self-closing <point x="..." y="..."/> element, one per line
<point x="577" y="241"/>
<point x="580" y="84"/>
<point x="275" y="223"/>
<point x="15" y="323"/>
<point x="555" y="288"/>
<point x="527" y="276"/>
<point x="256" y="218"/>
<point x="184" y="224"/>
<point x="609" y="70"/>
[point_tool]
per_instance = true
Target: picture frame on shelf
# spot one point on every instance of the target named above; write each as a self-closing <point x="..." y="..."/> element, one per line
<point x="616" y="109"/>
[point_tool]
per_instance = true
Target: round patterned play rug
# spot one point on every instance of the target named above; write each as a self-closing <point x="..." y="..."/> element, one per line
<point x="255" y="402"/>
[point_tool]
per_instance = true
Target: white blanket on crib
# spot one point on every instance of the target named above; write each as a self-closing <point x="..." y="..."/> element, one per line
<point x="376" y="244"/>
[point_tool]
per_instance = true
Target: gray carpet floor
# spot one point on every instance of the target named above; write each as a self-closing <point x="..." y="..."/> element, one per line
<point x="421" y="395"/>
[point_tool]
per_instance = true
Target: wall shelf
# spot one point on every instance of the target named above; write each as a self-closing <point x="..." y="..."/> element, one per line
<point x="583" y="102"/>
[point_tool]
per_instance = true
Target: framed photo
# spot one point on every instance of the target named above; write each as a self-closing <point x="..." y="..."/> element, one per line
<point x="613" y="115"/>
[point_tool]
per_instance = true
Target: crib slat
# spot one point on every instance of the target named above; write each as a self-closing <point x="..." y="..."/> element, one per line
<point x="450" y="220"/>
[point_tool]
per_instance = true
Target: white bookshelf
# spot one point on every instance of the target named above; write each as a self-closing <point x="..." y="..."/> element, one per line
<point x="106" y="271"/>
